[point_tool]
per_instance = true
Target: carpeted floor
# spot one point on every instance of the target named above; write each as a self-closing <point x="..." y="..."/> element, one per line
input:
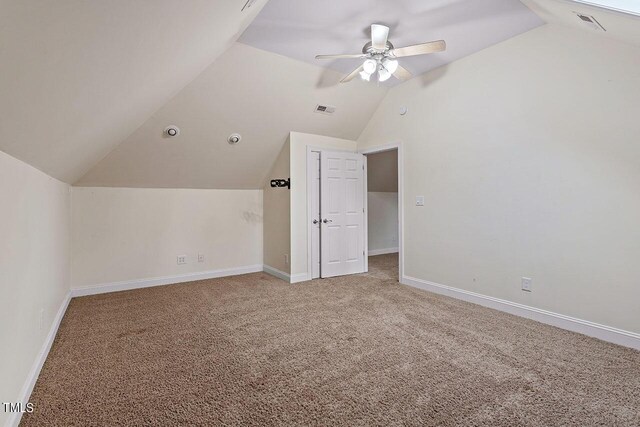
<point x="358" y="350"/>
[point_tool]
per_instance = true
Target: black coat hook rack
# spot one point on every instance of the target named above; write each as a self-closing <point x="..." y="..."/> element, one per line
<point x="281" y="183"/>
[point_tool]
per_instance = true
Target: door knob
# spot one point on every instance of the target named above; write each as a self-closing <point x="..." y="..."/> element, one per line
<point x="327" y="221"/>
<point x="315" y="221"/>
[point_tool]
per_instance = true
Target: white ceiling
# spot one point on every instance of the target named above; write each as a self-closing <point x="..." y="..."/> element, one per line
<point x="258" y="94"/>
<point x="87" y="86"/>
<point x="301" y="29"/>
<point x="620" y="26"/>
<point x="626" y="6"/>
<point x="78" y="76"/>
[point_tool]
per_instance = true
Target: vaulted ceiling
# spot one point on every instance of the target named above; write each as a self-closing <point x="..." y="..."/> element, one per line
<point x="618" y="26"/>
<point x="303" y="29"/>
<point x="87" y="86"/>
<point x="79" y="76"/>
<point x="257" y="94"/>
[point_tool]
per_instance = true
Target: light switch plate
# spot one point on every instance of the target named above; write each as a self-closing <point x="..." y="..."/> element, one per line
<point x="419" y="200"/>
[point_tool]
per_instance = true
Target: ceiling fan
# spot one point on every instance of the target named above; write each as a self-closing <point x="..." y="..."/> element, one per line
<point x="381" y="56"/>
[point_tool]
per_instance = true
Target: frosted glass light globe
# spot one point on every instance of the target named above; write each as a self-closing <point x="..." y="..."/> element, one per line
<point x="383" y="74"/>
<point x="390" y="64"/>
<point x="370" y="66"/>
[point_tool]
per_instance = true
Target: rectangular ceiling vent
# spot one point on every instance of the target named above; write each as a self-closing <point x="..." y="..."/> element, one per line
<point x="590" y="21"/>
<point x="325" y="109"/>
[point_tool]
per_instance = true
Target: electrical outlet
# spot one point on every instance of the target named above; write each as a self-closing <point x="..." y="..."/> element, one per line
<point x="182" y="259"/>
<point x="419" y="200"/>
<point x="200" y="257"/>
<point x="526" y="284"/>
<point x="286" y="259"/>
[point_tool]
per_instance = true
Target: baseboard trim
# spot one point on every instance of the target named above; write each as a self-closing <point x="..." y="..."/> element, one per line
<point x="277" y="273"/>
<point x="375" y="252"/>
<point x="585" y="327"/>
<point x="289" y="278"/>
<point x="161" y="281"/>
<point x="32" y="377"/>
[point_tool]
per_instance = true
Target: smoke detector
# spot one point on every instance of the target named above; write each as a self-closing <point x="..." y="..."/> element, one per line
<point x="234" y="138"/>
<point x="172" y="131"/>
<point x="325" y="109"/>
<point x="590" y="21"/>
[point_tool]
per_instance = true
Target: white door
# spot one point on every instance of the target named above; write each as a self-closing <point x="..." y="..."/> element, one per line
<point x="314" y="163"/>
<point x="342" y="213"/>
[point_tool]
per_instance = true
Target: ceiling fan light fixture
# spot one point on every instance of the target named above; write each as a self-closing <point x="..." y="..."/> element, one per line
<point x="365" y="76"/>
<point x="369" y="66"/>
<point x="390" y="64"/>
<point x="383" y="74"/>
<point x="380" y="55"/>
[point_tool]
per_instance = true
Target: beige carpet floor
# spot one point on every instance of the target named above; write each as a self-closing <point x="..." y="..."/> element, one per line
<point x="359" y="350"/>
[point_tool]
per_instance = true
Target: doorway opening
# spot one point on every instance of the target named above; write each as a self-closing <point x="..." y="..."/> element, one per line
<point x="383" y="229"/>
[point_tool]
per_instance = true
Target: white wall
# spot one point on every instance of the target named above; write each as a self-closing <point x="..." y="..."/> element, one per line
<point x="299" y="144"/>
<point x="126" y="234"/>
<point x="34" y="267"/>
<point x="527" y="156"/>
<point x="277" y="215"/>
<point x="382" y="224"/>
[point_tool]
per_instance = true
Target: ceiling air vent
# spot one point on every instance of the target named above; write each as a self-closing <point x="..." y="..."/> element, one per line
<point x="325" y="109"/>
<point x="590" y="21"/>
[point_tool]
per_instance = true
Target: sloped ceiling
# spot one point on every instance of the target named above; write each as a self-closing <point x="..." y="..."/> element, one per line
<point x="258" y="94"/>
<point x="87" y="86"/>
<point x="302" y="29"/>
<point x="619" y="26"/>
<point x="625" y="6"/>
<point x="78" y="76"/>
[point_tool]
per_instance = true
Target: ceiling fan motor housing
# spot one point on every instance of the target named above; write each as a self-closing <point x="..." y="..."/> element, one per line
<point x="368" y="48"/>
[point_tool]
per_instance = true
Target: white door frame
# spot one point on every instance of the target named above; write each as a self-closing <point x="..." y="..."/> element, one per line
<point x="380" y="149"/>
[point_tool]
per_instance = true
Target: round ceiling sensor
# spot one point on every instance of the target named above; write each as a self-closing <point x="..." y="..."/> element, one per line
<point x="172" y="131"/>
<point x="234" y="138"/>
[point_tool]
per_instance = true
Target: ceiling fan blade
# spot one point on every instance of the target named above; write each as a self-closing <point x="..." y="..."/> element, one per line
<point x="379" y="36"/>
<point x="353" y="74"/>
<point x="419" y="49"/>
<point x="346" y="56"/>
<point x="402" y="74"/>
